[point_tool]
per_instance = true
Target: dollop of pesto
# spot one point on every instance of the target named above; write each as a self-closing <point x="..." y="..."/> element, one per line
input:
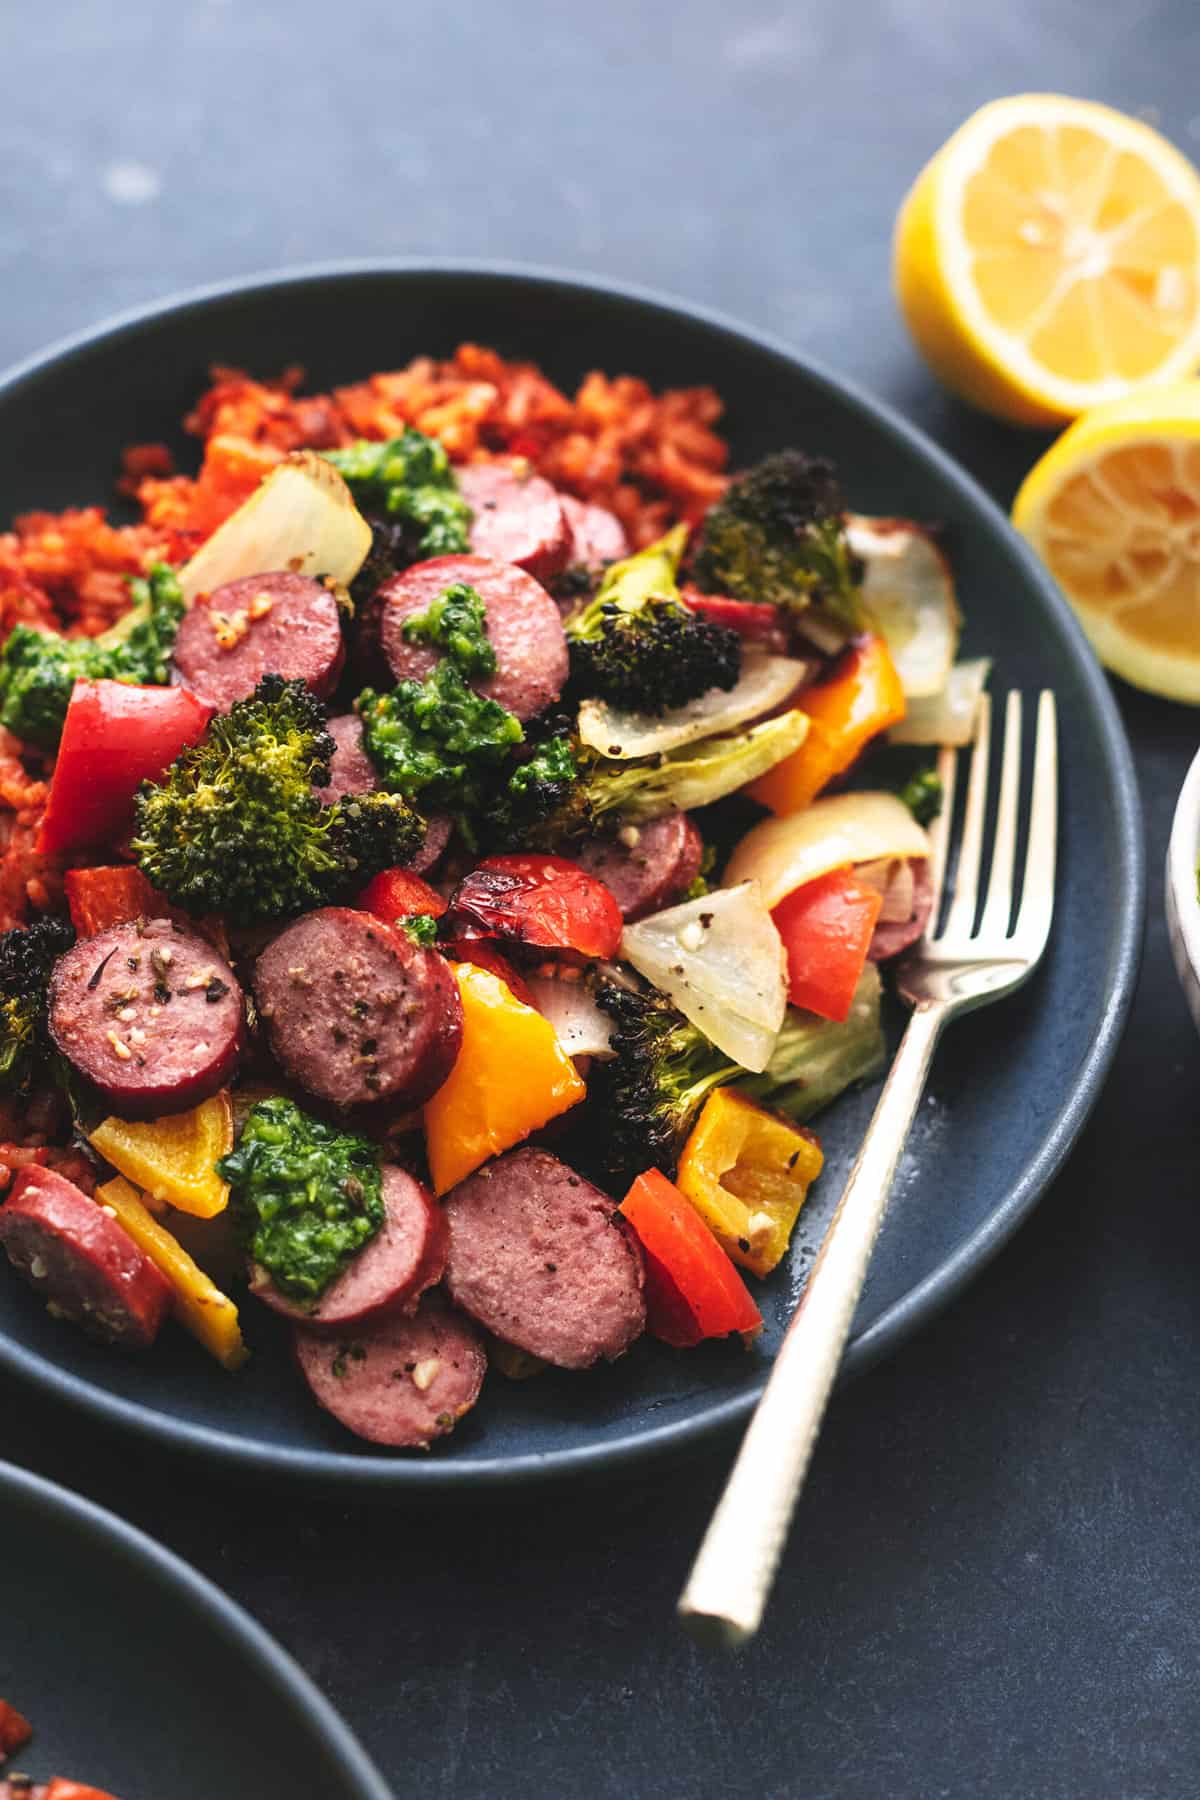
<point x="410" y="482"/>
<point x="305" y="1197"/>
<point x="456" y="622"/>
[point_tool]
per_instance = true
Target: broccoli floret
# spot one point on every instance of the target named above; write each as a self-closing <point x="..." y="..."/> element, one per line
<point x="437" y="738"/>
<point x="456" y="622"/>
<point x="534" y="802"/>
<point x="26" y="959"/>
<point x="235" y="826"/>
<point x="408" y="480"/>
<point x="420" y="929"/>
<point x="637" y="646"/>
<point x="923" y="795"/>
<point x="778" y="536"/>
<point x="39" y="668"/>
<point x="651" y="1089"/>
<point x="306" y="1197"/>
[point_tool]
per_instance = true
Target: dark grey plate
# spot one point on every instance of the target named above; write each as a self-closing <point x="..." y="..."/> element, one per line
<point x="1011" y="1088"/>
<point x="140" y="1676"/>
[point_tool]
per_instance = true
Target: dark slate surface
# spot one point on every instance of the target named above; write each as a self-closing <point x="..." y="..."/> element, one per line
<point x="992" y="1586"/>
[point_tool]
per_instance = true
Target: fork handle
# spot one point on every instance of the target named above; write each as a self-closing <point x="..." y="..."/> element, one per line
<point x="731" y="1578"/>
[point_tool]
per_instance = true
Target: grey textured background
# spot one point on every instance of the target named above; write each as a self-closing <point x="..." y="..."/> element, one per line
<point x="992" y="1587"/>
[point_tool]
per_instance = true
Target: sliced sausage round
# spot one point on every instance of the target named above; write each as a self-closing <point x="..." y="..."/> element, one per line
<point x="355" y="1012"/>
<point x="890" y="939"/>
<point x="517" y="517"/>
<point x="351" y="770"/>
<point x="388" y="1275"/>
<point x="87" y="1266"/>
<point x="523" y="623"/>
<point x="646" y="867"/>
<point x="403" y="1381"/>
<point x="276" y="624"/>
<point x="438" y="827"/>
<point x="597" y="536"/>
<point x="541" y="1258"/>
<point x="149" y="1013"/>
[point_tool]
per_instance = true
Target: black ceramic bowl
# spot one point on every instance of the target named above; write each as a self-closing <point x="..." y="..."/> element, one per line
<point x="141" y="1677"/>
<point x="1010" y="1090"/>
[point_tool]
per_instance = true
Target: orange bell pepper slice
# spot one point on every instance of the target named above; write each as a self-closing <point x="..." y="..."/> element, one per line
<point x="692" y="1290"/>
<point x="173" y="1158"/>
<point x="199" y="1305"/>
<point x="511" y="1077"/>
<point x="860" y="699"/>
<point x="747" y="1172"/>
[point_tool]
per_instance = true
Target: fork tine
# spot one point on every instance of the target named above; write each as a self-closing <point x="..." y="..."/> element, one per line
<point x="939" y="834"/>
<point x="997" y="911"/>
<point x="1037" y="898"/>
<point x="961" y="916"/>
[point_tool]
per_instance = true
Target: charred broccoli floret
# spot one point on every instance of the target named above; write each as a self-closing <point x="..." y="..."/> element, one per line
<point x="39" y="668"/>
<point x="639" y="647"/>
<point x="778" y="536"/>
<point x="26" y="959"/>
<point x="236" y="827"/>
<point x="654" y="1084"/>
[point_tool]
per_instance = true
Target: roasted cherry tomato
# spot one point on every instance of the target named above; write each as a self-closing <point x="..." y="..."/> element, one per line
<point x="826" y="927"/>
<point x="749" y="618"/>
<point x="115" y="736"/>
<point x="397" y="894"/>
<point x="692" y="1289"/>
<point x="548" y="902"/>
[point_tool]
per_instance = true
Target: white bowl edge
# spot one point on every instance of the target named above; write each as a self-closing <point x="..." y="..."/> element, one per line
<point x="1183" y="904"/>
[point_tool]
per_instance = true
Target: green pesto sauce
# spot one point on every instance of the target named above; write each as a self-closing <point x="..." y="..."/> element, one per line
<point x="305" y="1197"/>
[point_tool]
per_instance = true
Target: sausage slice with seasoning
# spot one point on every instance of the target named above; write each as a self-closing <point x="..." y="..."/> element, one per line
<point x="280" y="624"/>
<point x="388" y="1275"/>
<point x="646" y="867"/>
<point x="150" y="1014"/>
<point x="541" y="1258"/>
<point x="597" y="535"/>
<point x="517" y="517"/>
<point x="87" y="1266"/>
<point x="402" y="1382"/>
<point x="355" y="1012"/>
<point x="523" y="624"/>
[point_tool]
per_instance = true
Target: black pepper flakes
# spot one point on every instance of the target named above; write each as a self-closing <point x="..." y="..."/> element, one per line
<point x="216" y="990"/>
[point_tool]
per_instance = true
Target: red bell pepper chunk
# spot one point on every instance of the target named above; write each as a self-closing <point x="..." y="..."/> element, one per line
<point x="73" y="1790"/>
<point x="115" y="737"/>
<point x="549" y="902"/>
<point x="827" y="926"/>
<point x="15" y="1730"/>
<point x="749" y="618"/>
<point x="99" y="898"/>
<point x="397" y="894"/>
<point x="692" y="1289"/>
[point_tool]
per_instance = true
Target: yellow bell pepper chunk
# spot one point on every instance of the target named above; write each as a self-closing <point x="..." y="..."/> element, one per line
<point x="172" y="1159"/>
<point x="863" y="697"/>
<point x="747" y="1173"/>
<point x="201" y="1308"/>
<point x="511" y="1077"/>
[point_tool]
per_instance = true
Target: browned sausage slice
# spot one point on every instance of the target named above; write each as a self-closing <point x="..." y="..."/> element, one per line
<point x="542" y="1259"/>
<point x="402" y="1382"/>
<point x="150" y="1013"/>
<point x="355" y="1012"/>
<point x="597" y="536"/>
<point x="280" y="624"/>
<point x="351" y="770"/>
<point x="891" y="938"/>
<point x="438" y="827"/>
<point x="388" y="1275"/>
<point x="89" y="1269"/>
<point x="647" y="867"/>
<point x="518" y="517"/>
<point x="523" y="624"/>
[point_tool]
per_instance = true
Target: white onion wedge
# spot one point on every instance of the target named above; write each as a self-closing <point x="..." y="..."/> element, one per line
<point x="721" y="960"/>
<point x="908" y="591"/>
<point x="579" y="1025"/>
<point x="300" y="518"/>
<point x="948" y="717"/>
<point x="765" y="683"/>
<point x="783" y="854"/>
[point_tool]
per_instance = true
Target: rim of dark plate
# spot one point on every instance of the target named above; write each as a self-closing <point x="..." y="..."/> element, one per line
<point x="170" y="1573"/>
<point x="906" y="1315"/>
